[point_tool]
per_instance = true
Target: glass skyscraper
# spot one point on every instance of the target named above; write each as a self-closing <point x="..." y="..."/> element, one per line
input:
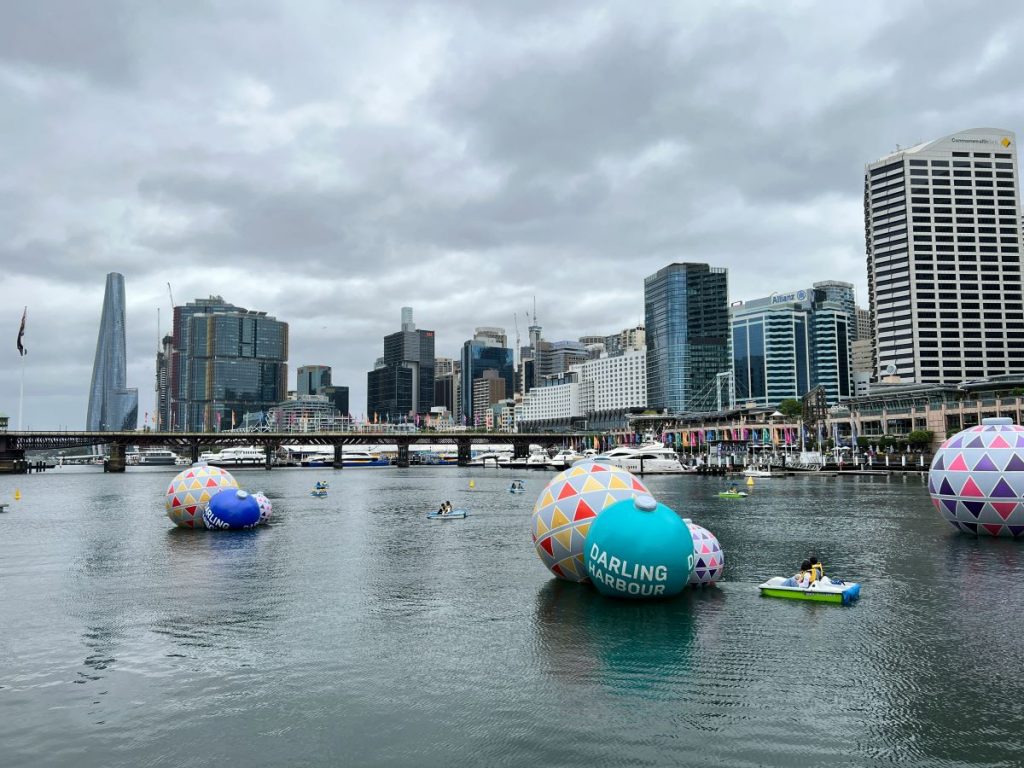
<point x="227" y="361"/>
<point x="686" y="309"/>
<point x="112" y="406"/>
<point x="486" y="351"/>
<point x="786" y="344"/>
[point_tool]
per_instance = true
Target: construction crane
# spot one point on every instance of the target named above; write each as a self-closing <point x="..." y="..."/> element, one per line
<point x="171" y="295"/>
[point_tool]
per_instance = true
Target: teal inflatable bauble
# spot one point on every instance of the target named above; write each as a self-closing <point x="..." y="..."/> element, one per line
<point x="639" y="548"/>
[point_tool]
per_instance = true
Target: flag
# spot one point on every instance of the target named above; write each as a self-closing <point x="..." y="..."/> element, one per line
<point x="21" y="332"/>
<point x="232" y="419"/>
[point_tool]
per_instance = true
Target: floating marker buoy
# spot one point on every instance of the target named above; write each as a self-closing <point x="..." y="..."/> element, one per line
<point x="750" y="481"/>
<point x="472" y="484"/>
<point x="17" y="494"/>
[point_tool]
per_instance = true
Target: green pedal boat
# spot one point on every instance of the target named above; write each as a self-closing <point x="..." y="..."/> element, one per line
<point x="822" y="591"/>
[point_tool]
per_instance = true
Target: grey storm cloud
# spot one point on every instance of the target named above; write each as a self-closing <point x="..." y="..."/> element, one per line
<point x="331" y="164"/>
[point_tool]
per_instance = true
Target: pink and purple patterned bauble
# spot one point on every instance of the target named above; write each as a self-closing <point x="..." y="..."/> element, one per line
<point x="265" y="507"/>
<point x="977" y="479"/>
<point x="709" y="559"/>
<point x="568" y="505"/>
<point x="191" y="489"/>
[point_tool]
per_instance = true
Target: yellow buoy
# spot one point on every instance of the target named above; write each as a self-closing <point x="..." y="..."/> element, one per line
<point x="750" y="481"/>
<point x="472" y="484"/>
<point x="17" y="494"/>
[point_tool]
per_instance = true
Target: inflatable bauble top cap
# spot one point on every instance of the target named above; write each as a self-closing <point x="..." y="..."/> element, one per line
<point x="231" y="510"/>
<point x="976" y="479"/>
<point x="568" y="505"/>
<point x="639" y="548"/>
<point x="708" y="557"/>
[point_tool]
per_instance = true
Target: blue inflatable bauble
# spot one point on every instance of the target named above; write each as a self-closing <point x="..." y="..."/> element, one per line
<point x="265" y="507"/>
<point x="231" y="511"/>
<point x="639" y="549"/>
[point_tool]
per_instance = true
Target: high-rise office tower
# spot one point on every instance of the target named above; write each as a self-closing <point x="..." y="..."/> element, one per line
<point x="311" y="379"/>
<point x="112" y="406"/>
<point x="786" y="344"/>
<point x="404" y="385"/>
<point x="227" y="361"/>
<point x="942" y="229"/>
<point x="485" y="351"/>
<point x="163" y="384"/>
<point x="686" y="308"/>
<point x="863" y="325"/>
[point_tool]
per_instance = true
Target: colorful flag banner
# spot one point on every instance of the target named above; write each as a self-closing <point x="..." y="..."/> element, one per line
<point x="21" y="332"/>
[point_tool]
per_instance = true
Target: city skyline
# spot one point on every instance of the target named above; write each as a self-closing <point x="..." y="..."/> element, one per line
<point x="431" y="177"/>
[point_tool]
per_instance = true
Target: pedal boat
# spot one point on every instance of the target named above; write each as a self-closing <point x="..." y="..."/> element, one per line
<point x="821" y="591"/>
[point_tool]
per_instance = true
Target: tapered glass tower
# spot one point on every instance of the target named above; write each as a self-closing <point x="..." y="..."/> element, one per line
<point x="112" y="406"/>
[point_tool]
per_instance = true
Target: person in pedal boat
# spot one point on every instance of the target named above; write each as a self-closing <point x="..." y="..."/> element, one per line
<point x="802" y="578"/>
<point x="817" y="569"/>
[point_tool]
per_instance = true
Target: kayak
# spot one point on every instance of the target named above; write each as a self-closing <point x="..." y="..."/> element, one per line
<point x="822" y="591"/>
<point x="458" y="514"/>
<point x="732" y="495"/>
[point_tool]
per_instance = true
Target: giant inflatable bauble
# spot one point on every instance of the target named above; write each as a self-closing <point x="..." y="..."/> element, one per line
<point x="568" y="505"/>
<point x="708" y="557"/>
<point x="265" y="507"/>
<point x="977" y="479"/>
<point x="191" y="489"/>
<point x="231" y="511"/>
<point x="639" y="548"/>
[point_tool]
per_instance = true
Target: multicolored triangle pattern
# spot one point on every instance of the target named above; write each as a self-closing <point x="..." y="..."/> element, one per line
<point x="191" y="489"/>
<point x="568" y="505"/>
<point x="976" y="480"/>
<point x="710" y="557"/>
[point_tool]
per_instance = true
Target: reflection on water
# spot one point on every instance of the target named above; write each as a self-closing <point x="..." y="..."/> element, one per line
<point x="354" y="631"/>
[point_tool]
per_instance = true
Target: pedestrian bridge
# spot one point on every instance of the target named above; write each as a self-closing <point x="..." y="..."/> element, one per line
<point x="13" y="445"/>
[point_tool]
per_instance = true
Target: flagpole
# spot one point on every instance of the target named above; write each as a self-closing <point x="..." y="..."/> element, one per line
<point x="21" y="396"/>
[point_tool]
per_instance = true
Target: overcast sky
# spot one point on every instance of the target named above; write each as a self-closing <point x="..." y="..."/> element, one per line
<point x="329" y="165"/>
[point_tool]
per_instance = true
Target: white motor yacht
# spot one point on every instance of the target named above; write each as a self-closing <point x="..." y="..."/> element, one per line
<point x="492" y="459"/>
<point x="564" y="458"/>
<point x="647" y="459"/>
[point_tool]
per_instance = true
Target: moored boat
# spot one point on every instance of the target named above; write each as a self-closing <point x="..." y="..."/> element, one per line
<point x="732" y="495"/>
<point x="821" y="591"/>
<point x="157" y="457"/>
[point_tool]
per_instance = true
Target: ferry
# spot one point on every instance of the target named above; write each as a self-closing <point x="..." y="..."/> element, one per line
<point x="237" y="456"/>
<point x="157" y="457"/>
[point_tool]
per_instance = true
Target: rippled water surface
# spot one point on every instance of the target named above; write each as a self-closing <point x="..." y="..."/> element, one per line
<point x="355" y="632"/>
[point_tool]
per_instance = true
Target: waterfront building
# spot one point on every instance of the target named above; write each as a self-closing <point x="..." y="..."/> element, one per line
<point x="163" y="385"/>
<point x="308" y="413"/>
<point x="555" y="404"/>
<point x="226" y="361"/>
<point x="502" y="415"/>
<point x="486" y="351"/>
<point x="603" y="392"/>
<point x="401" y="386"/>
<point x="942" y="227"/>
<point x="312" y="379"/>
<point x="686" y="309"/>
<point x="112" y="406"/>
<point x="786" y="344"/>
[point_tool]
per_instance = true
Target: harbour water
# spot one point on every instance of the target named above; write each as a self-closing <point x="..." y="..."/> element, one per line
<point x="355" y="632"/>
